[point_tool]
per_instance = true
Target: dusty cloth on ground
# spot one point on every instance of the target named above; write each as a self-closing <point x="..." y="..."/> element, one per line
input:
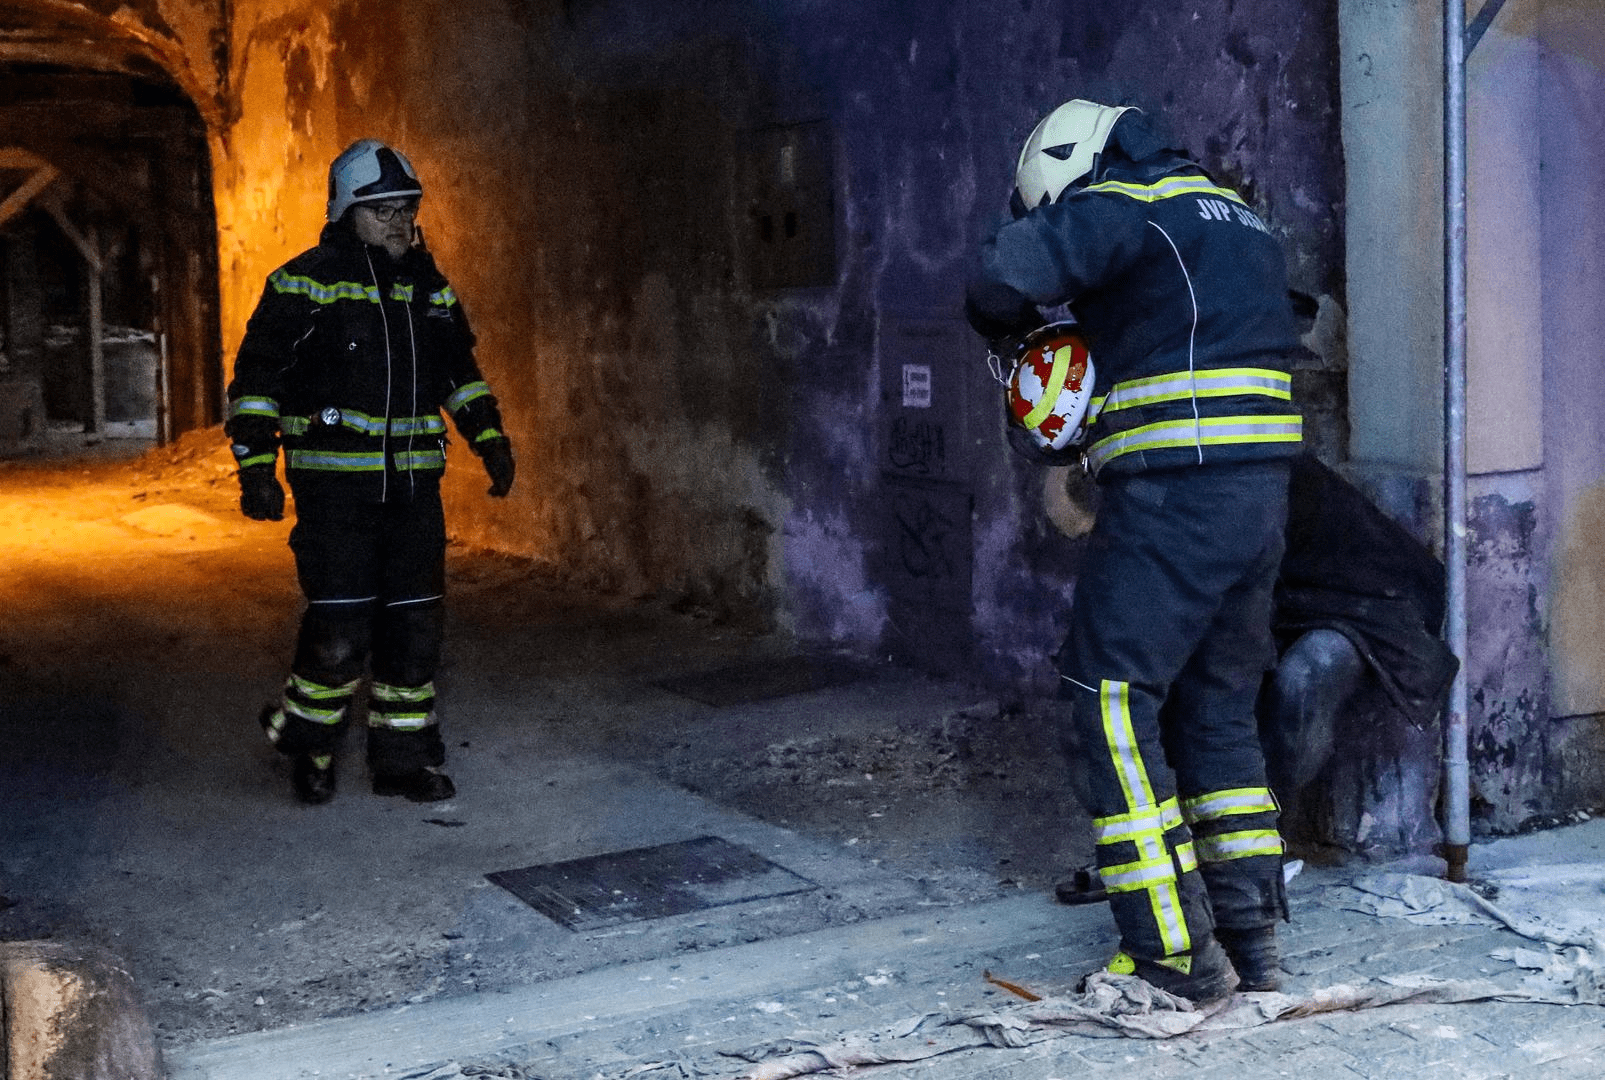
<point x="1560" y="904"/>
<point x="1113" y="1006"/>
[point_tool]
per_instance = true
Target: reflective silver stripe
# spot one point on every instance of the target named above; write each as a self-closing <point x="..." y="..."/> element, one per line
<point x="316" y="716"/>
<point x="443" y="298"/>
<point x="1168" y="188"/>
<point x="364" y="424"/>
<point x="1206" y="431"/>
<point x="1113" y="703"/>
<point x="1186" y="857"/>
<point x="385" y="692"/>
<point x="1132" y="876"/>
<point x="421" y="459"/>
<point x="415" y="600"/>
<point x="317" y="691"/>
<point x="1239" y="845"/>
<point x="330" y="461"/>
<point x="1211" y="382"/>
<point x="1149" y="820"/>
<point x="350" y="600"/>
<point x="253" y="406"/>
<point x="1219" y="804"/>
<point x="466" y="393"/>
<point x="400" y="721"/>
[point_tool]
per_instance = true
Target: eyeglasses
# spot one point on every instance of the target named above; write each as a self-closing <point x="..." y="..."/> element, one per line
<point x="386" y="213"/>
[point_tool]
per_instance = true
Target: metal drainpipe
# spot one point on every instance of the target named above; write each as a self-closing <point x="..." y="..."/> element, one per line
<point x="1457" y="770"/>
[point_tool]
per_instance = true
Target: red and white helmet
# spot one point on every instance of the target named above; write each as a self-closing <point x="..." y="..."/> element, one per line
<point x="1050" y="387"/>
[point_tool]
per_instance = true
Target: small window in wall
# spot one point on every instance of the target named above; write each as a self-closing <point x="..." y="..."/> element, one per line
<point x="791" y="226"/>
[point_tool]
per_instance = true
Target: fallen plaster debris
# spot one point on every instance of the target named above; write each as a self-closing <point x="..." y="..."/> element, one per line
<point x="1116" y="1006"/>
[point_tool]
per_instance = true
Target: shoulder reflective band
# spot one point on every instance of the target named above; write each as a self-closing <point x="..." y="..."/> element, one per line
<point x="1168" y="188"/>
<point x="1220" y="804"/>
<point x="328" y="292"/>
<point x="254" y="406"/>
<point x="1050" y="394"/>
<point x="1206" y="431"/>
<point x="466" y="393"/>
<point x="1239" y="845"/>
<point x="443" y="298"/>
<point x="1216" y="382"/>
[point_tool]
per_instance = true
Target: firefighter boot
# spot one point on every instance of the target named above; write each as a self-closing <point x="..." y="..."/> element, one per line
<point x="1253" y="954"/>
<point x="425" y="785"/>
<point x="312" y="776"/>
<point x="1202" y="976"/>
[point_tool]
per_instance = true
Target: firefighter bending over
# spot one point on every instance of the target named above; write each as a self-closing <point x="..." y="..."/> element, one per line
<point x="355" y="348"/>
<point x="1180" y="292"/>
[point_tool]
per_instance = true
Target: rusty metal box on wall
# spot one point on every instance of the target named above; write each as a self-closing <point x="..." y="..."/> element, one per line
<point x="790" y="237"/>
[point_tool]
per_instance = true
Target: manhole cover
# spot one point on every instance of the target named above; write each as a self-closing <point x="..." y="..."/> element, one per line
<point x="764" y="680"/>
<point x="648" y="883"/>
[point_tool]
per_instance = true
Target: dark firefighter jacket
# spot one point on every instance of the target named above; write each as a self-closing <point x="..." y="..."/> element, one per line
<point x="1181" y="292"/>
<point x="1351" y="568"/>
<point x="349" y="358"/>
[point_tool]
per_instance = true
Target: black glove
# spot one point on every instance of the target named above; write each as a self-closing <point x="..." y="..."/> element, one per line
<point x="497" y="454"/>
<point x="261" y="497"/>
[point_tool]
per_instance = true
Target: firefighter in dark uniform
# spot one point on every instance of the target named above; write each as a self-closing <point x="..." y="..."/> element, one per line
<point x="1180" y="291"/>
<point x="352" y="354"/>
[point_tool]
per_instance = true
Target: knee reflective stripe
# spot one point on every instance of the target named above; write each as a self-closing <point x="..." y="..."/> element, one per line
<point x="275" y="726"/>
<point x="1220" y="804"/>
<point x="317" y="691"/>
<point x="1239" y="845"/>
<point x="1144" y="823"/>
<point x="316" y="702"/>
<point x="1212" y="812"/>
<point x="402" y="708"/>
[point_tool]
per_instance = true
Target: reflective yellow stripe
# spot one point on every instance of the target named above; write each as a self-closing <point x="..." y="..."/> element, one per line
<point x="1114" y="703"/>
<point x="414" y="721"/>
<point x="1151" y="819"/>
<point x="1207" y="383"/>
<point x="1205" y="431"/>
<point x="1239" y="845"/>
<point x="1168" y="188"/>
<point x="386" y="692"/>
<point x="315" y="716"/>
<point x="1155" y="872"/>
<point x="1122" y="964"/>
<point x="1050" y="394"/>
<point x="1132" y="876"/>
<point x="1186" y="857"/>
<point x="1219" y="804"/>
<point x="317" y="691"/>
<point x="253" y="406"/>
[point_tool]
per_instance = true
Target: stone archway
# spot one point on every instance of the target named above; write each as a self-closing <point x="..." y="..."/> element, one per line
<point x="104" y="156"/>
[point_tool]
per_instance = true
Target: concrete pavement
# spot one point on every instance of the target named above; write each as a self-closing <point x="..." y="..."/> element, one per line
<point x="698" y="1014"/>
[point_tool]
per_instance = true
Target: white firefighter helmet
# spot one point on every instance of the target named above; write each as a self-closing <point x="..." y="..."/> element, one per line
<point x="368" y="170"/>
<point x="1062" y="149"/>
<point x="1050" y="387"/>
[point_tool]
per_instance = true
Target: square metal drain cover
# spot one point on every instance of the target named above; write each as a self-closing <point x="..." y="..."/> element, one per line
<point x="763" y="680"/>
<point x="649" y="883"/>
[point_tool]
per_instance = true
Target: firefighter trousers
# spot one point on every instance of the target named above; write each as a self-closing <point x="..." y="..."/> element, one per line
<point x="373" y="574"/>
<point x="1169" y="640"/>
